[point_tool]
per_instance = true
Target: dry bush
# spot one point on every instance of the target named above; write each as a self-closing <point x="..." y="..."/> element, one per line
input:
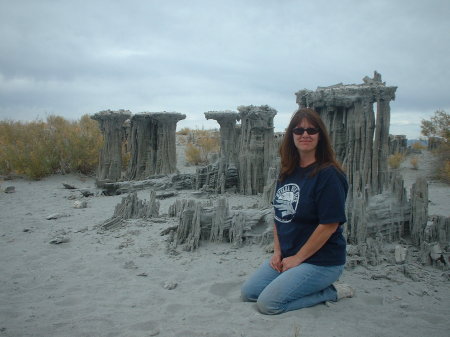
<point x="184" y="131"/>
<point x="193" y="155"/>
<point x="438" y="127"/>
<point x="37" y="149"/>
<point x="443" y="153"/>
<point x="415" y="163"/>
<point x="201" y="145"/>
<point x="418" y="146"/>
<point x="445" y="172"/>
<point x="395" y="160"/>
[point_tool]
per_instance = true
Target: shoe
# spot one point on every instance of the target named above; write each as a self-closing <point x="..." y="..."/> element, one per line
<point x="343" y="290"/>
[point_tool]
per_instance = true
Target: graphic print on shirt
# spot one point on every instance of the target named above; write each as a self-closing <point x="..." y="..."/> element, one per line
<point x="286" y="202"/>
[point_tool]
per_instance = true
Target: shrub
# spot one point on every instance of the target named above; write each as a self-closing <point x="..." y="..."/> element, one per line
<point x="201" y="145"/>
<point x="418" y="146"/>
<point x="415" y="163"/>
<point x="395" y="160"/>
<point x="439" y="126"/>
<point x="193" y="155"/>
<point x="184" y="131"/>
<point x="37" y="149"/>
<point x="445" y="172"/>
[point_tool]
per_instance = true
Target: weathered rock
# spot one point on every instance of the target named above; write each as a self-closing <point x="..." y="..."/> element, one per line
<point x="112" y="126"/>
<point x="419" y="210"/>
<point x="256" y="149"/>
<point x="229" y="137"/>
<point x="10" y="189"/>
<point x="400" y="254"/>
<point x="86" y="193"/>
<point x="55" y="216"/>
<point x="438" y="230"/>
<point x="80" y="204"/>
<point x="170" y="285"/>
<point x="198" y="221"/>
<point x="60" y="239"/>
<point x="398" y="144"/>
<point x="157" y="183"/>
<point x="131" y="207"/>
<point x="360" y="137"/>
<point x="246" y="151"/>
<point x="152" y="144"/>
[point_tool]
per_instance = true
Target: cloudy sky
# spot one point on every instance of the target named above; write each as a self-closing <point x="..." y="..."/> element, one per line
<point x="69" y="57"/>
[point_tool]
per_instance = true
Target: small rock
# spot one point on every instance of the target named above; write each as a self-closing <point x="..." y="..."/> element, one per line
<point x="80" y="204"/>
<point x="153" y="332"/>
<point x="436" y="252"/>
<point x="170" y="285"/>
<point x="166" y="195"/>
<point x="71" y="197"/>
<point x="10" y="189"/>
<point x="60" y="239"/>
<point x="69" y="187"/>
<point x="130" y="265"/>
<point x="86" y="193"/>
<point x="54" y="216"/>
<point x="142" y="274"/>
<point x="400" y="254"/>
<point x="25" y="230"/>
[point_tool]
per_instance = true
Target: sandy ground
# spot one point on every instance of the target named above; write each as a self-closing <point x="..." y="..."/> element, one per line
<point x="124" y="283"/>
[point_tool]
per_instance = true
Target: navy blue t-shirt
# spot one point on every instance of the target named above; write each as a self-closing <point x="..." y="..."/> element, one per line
<point x="302" y="202"/>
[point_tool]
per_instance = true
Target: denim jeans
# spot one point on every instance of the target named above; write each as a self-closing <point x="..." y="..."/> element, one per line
<point x="299" y="287"/>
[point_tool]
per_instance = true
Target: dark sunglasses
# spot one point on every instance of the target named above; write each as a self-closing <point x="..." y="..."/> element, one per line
<point x="309" y="131"/>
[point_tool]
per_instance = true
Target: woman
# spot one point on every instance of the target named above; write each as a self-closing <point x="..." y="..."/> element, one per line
<point x="309" y="203"/>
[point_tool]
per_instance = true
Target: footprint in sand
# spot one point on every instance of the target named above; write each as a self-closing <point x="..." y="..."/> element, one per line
<point x="224" y="289"/>
<point x="372" y="300"/>
<point x="149" y="327"/>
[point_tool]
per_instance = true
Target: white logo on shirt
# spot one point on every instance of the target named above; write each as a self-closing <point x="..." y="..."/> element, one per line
<point x="286" y="202"/>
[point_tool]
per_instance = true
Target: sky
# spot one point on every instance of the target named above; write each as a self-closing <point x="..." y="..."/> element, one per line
<point x="70" y="58"/>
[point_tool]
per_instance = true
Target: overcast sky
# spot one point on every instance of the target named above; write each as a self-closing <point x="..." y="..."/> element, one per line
<point x="74" y="57"/>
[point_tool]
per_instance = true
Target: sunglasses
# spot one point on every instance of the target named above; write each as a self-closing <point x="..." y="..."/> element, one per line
<point x="309" y="131"/>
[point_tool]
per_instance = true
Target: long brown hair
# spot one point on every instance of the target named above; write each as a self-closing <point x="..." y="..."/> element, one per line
<point x="290" y="157"/>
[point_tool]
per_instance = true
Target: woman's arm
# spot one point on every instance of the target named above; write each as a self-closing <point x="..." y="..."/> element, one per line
<point x="317" y="239"/>
<point x="275" y="261"/>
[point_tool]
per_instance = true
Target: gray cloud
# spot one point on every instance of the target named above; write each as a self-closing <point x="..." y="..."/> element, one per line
<point x="71" y="58"/>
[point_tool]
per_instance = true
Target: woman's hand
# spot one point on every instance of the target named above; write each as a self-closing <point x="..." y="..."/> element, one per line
<point x="290" y="262"/>
<point x="275" y="262"/>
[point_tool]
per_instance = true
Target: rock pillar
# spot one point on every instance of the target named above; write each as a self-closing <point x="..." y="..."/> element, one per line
<point x="357" y="117"/>
<point x="152" y="144"/>
<point x="419" y="210"/>
<point x="228" y="143"/>
<point x="112" y="126"/>
<point x="256" y="150"/>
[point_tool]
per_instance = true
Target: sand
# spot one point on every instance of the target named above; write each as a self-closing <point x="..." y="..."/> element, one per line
<point x="124" y="282"/>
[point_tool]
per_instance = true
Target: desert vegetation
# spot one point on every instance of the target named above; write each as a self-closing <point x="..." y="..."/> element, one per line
<point x="438" y="128"/>
<point x="395" y="160"/>
<point x="41" y="148"/>
<point x="414" y="163"/>
<point x="201" y="145"/>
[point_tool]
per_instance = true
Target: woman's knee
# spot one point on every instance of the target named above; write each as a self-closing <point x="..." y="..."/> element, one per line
<point x="247" y="295"/>
<point x="268" y="308"/>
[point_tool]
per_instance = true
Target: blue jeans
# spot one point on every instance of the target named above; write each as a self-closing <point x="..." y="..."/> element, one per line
<point x="299" y="287"/>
